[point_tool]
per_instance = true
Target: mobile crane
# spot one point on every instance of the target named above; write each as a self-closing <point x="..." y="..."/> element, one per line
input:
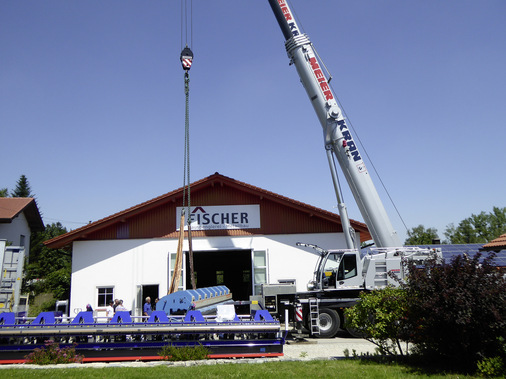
<point x="340" y="275"/>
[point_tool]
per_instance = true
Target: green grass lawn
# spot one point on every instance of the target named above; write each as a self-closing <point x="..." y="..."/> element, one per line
<point x="310" y="369"/>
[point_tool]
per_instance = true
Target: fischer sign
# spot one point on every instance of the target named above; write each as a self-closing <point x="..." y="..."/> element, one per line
<point x="222" y="217"/>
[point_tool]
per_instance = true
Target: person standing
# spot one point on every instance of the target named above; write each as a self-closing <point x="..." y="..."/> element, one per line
<point x="147" y="307"/>
<point x="116" y="302"/>
<point x="109" y="311"/>
<point x="120" y="307"/>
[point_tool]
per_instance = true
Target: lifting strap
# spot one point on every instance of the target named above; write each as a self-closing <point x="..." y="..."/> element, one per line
<point x="187" y="56"/>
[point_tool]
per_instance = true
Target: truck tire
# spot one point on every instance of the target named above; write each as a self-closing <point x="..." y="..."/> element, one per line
<point x="329" y="323"/>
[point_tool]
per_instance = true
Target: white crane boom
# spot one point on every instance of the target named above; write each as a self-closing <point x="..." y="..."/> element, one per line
<point x="337" y="136"/>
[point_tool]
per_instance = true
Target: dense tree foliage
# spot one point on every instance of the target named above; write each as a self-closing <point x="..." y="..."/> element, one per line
<point x="4" y="192"/>
<point x="480" y="228"/>
<point x="456" y="310"/>
<point x="48" y="270"/>
<point x="22" y="188"/>
<point x="421" y="236"/>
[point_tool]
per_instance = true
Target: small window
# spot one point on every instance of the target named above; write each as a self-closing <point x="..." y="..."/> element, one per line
<point x="173" y="257"/>
<point x="348" y="267"/>
<point x="105" y="295"/>
<point x="259" y="270"/>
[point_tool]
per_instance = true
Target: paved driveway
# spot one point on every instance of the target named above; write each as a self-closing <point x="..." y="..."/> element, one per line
<point x="313" y="348"/>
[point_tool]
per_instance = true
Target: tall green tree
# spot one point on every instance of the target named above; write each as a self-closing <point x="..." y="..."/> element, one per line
<point x="480" y="228"/>
<point x="421" y="236"/>
<point x="48" y="270"/>
<point x="22" y="188"/>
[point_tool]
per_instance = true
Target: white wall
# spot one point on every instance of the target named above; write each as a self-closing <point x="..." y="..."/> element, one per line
<point x="125" y="264"/>
<point x="13" y="231"/>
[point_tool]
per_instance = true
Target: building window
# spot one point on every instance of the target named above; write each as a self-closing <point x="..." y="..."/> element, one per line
<point x="172" y="266"/>
<point x="259" y="270"/>
<point x="105" y="295"/>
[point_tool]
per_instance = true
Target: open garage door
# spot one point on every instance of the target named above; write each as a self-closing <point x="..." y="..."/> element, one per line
<point x="231" y="268"/>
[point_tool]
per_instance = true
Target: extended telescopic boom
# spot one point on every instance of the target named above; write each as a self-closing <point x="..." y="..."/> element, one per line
<point x="337" y="137"/>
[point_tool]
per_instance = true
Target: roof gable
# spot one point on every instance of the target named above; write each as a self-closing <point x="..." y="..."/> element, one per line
<point x="156" y="218"/>
<point x="11" y="207"/>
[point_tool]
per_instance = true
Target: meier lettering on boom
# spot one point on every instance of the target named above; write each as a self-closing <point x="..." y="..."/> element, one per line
<point x="318" y="73"/>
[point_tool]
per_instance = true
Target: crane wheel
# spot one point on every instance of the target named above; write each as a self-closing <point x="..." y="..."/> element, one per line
<point x="330" y="323"/>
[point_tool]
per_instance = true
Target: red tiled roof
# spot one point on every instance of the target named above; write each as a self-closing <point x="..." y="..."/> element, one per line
<point x="83" y="232"/>
<point x="10" y="207"/>
<point x="498" y="242"/>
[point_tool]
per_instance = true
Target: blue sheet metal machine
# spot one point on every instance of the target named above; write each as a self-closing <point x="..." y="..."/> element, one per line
<point x="204" y="299"/>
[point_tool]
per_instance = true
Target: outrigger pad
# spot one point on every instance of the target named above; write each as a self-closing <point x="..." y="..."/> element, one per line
<point x="7" y="318"/>
<point x="194" y="316"/>
<point x="44" y="318"/>
<point x="83" y="317"/>
<point x="121" y="317"/>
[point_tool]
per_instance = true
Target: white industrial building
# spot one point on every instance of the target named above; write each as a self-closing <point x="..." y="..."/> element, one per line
<point x="242" y="236"/>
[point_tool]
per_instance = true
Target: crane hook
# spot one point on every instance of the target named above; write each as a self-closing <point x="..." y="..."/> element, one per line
<point x="186" y="58"/>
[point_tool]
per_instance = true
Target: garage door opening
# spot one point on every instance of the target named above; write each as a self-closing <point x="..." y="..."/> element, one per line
<point x="231" y="268"/>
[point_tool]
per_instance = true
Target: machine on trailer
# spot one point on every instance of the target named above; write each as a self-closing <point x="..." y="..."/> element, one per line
<point x="340" y="275"/>
<point x="178" y="321"/>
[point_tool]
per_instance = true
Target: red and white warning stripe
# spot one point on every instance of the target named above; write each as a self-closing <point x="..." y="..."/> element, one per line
<point x="298" y="313"/>
<point x="186" y="62"/>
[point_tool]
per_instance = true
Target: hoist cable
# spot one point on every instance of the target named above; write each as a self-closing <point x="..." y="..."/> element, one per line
<point x="187" y="173"/>
<point x="186" y="23"/>
<point x="186" y="61"/>
<point x="357" y="137"/>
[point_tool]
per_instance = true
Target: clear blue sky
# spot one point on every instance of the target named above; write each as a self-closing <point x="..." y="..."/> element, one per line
<point x="92" y="102"/>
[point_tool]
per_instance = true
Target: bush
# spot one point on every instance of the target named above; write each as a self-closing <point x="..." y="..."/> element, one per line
<point x="456" y="311"/>
<point x="377" y="316"/>
<point x="184" y="353"/>
<point x="53" y="354"/>
<point x="491" y="367"/>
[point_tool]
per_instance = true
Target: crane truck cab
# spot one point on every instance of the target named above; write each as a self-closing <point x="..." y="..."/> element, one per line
<point x="377" y="268"/>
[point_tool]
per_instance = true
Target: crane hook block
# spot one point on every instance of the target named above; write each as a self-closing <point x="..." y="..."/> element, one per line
<point x="186" y="58"/>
